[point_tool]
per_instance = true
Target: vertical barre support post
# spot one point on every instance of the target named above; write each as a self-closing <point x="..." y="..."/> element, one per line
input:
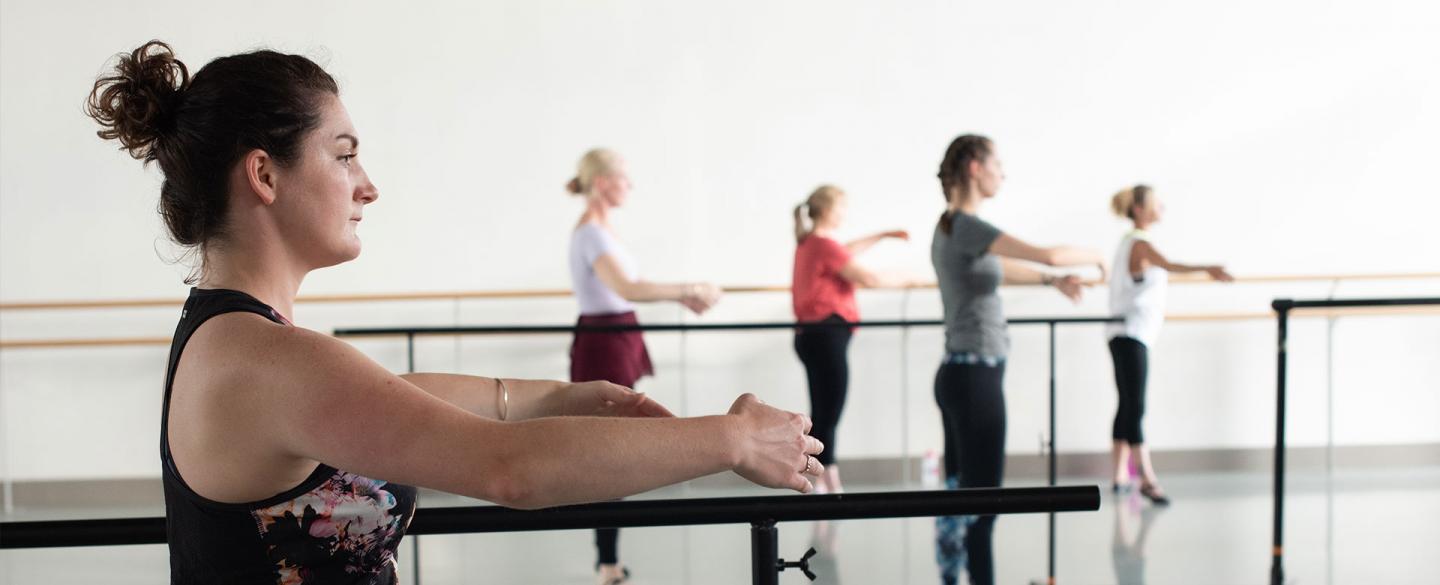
<point x="1052" y="459"/>
<point x="410" y="353"/>
<point x="764" y="553"/>
<point x="414" y="540"/>
<point x="905" y="468"/>
<point x="1282" y="318"/>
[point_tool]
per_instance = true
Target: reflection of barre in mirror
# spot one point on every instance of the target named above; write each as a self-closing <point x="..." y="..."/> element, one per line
<point x="762" y="513"/>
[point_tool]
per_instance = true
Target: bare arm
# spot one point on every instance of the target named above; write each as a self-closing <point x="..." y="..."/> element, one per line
<point x="1012" y="247"/>
<point x="1143" y="253"/>
<point x="482" y="396"/>
<point x="527" y="399"/>
<point x="697" y="297"/>
<point x="862" y="244"/>
<point x="866" y="278"/>
<point x="1017" y="272"/>
<point x="320" y="399"/>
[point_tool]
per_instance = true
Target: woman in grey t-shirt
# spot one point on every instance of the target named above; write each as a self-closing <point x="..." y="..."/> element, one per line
<point x="972" y="259"/>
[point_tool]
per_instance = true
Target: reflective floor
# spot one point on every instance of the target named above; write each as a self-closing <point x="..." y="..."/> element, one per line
<point x="1376" y="526"/>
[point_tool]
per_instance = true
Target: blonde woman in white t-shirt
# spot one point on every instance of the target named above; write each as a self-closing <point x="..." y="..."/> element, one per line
<point x="607" y="284"/>
<point x="1137" y="292"/>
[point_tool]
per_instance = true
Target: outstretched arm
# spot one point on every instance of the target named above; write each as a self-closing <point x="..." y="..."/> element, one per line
<point x="320" y="399"/>
<point x="862" y="244"/>
<point x="696" y="296"/>
<point x="865" y="278"/>
<point x="1143" y="252"/>
<point x="1011" y="247"/>
<point x="527" y="399"/>
<point x="1017" y="272"/>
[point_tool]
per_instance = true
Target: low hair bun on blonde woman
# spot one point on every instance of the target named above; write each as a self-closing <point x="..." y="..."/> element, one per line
<point x="596" y="162"/>
<point x="1124" y="201"/>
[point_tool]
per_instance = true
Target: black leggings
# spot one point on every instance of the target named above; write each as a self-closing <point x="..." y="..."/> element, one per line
<point x="607" y="540"/>
<point x="1132" y="364"/>
<point x="607" y="546"/>
<point x="972" y="408"/>
<point x="822" y="350"/>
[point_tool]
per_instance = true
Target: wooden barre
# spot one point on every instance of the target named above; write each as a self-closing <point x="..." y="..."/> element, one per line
<point x="556" y="293"/>
<point x="84" y="342"/>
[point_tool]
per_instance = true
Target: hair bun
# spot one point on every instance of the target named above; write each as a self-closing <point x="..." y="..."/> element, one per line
<point x="136" y="104"/>
<point x="574" y="186"/>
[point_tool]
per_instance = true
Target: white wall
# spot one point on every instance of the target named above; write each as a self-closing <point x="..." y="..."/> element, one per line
<point x="1288" y="137"/>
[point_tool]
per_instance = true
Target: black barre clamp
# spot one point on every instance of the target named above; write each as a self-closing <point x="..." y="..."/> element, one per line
<point x="803" y="564"/>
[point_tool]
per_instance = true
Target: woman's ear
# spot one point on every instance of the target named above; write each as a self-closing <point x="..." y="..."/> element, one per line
<point x="974" y="168"/>
<point x="260" y="174"/>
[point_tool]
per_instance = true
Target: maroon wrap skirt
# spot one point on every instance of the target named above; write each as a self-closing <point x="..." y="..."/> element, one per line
<point x="618" y="357"/>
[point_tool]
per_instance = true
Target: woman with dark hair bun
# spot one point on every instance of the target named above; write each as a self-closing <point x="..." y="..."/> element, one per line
<point x="972" y="258"/>
<point x="287" y="455"/>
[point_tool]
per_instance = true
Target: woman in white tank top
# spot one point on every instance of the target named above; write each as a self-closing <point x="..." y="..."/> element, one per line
<point x="1137" y="293"/>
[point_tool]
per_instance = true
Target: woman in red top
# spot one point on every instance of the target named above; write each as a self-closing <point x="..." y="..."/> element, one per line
<point x="823" y="290"/>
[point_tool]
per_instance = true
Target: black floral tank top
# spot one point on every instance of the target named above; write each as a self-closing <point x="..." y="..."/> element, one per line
<point x="333" y="528"/>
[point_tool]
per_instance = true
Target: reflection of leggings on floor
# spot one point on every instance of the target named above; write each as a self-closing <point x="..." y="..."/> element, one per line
<point x="822" y="350"/>
<point x="972" y="409"/>
<point x="1132" y="362"/>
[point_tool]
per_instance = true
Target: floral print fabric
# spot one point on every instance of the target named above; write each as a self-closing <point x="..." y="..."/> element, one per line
<point x="346" y="528"/>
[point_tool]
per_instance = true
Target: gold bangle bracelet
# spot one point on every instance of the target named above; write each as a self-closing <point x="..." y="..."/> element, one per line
<point x="504" y="399"/>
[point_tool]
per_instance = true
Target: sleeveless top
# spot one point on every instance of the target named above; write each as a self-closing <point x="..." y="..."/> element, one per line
<point x="1141" y="301"/>
<point x="335" y="527"/>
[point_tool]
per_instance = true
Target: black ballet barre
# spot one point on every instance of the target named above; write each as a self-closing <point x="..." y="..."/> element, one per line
<point x="1282" y="308"/>
<point x="761" y="512"/>
<point x="410" y="333"/>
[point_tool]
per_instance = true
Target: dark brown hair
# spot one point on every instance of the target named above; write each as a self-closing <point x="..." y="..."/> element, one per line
<point x="198" y="128"/>
<point x="955" y="168"/>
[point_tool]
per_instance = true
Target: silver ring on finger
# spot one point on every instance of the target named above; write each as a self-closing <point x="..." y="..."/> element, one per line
<point x="809" y="462"/>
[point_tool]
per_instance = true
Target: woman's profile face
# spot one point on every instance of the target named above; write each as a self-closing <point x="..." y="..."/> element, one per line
<point x="989" y="175"/>
<point x="1152" y="210"/>
<point x="613" y="188"/>
<point x="839" y="210"/>
<point x="321" y="196"/>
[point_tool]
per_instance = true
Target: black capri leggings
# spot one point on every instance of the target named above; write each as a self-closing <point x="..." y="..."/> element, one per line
<point x="822" y="350"/>
<point x="972" y="408"/>
<point x="1132" y="365"/>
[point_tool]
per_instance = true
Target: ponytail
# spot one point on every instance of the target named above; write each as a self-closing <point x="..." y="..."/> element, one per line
<point x="944" y="225"/>
<point x="815" y="207"/>
<point x="955" y="168"/>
